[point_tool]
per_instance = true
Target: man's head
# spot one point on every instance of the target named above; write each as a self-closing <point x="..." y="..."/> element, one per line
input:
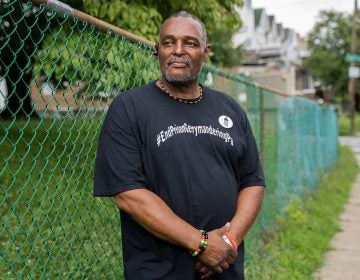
<point x="182" y="48"/>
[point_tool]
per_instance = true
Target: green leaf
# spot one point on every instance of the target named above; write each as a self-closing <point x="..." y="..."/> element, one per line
<point x="75" y="62"/>
<point x="48" y="70"/>
<point x="66" y="55"/>
<point x="54" y="53"/>
<point x="111" y="57"/>
<point x="104" y="10"/>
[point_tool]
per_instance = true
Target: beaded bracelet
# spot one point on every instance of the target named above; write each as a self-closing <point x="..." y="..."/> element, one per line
<point x="202" y="245"/>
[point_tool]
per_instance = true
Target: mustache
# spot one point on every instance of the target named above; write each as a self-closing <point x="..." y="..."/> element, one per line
<point x="183" y="59"/>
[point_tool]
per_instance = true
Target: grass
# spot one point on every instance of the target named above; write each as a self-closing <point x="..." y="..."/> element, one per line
<point x="344" y="124"/>
<point x="295" y="248"/>
<point x="52" y="227"/>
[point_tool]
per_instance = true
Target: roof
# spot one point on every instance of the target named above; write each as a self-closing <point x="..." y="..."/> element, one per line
<point x="258" y="13"/>
<point x="271" y="20"/>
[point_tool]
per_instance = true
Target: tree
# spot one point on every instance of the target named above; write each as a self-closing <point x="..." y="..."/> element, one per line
<point x="224" y="53"/>
<point x="25" y="49"/>
<point x="144" y="17"/>
<point x="329" y="43"/>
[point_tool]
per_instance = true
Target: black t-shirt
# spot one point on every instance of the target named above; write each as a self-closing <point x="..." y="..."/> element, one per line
<point x="196" y="157"/>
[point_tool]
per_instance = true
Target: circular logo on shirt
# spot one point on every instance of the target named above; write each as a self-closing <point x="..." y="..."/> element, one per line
<point x="225" y="121"/>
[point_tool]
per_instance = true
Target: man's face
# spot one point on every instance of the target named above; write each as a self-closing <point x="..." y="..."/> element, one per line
<point x="182" y="50"/>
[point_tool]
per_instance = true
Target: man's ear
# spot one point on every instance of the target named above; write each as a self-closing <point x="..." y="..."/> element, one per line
<point x="207" y="52"/>
<point x="156" y="49"/>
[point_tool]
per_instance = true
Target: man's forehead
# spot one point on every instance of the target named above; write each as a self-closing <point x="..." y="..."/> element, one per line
<point x="185" y="26"/>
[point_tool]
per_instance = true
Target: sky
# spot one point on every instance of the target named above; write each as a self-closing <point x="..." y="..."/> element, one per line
<point x="300" y="15"/>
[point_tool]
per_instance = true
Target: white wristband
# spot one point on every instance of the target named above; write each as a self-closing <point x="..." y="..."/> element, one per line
<point x="226" y="239"/>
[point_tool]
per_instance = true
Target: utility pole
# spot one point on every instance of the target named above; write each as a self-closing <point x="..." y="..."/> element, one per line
<point x="352" y="80"/>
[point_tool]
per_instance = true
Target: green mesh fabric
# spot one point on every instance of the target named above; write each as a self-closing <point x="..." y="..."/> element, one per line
<point x="58" y="76"/>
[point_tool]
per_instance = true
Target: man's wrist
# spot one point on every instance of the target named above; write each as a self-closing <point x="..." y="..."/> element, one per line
<point x="202" y="245"/>
<point x="229" y="239"/>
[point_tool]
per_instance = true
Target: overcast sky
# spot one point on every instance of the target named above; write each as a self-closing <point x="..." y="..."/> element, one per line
<point x="301" y="14"/>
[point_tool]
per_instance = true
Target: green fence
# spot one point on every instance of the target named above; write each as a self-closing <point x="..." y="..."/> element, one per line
<point x="58" y="75"/>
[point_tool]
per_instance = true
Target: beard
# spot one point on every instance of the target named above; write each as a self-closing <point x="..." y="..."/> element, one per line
<point x="180" y="79"/>
<point x="176" y="79"/>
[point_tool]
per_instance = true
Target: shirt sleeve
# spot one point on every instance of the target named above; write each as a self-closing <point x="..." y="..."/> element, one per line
<point x="118" y="165"/>
<point x="251" y="173"/>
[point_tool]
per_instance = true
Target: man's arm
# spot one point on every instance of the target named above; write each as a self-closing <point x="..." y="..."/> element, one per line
<point x="248" y="206"/>
<point x="151" y="212"/>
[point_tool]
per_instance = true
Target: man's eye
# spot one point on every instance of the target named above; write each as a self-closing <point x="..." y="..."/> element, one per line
<point x="168" y="43"/>
<point x="190" y="43"/>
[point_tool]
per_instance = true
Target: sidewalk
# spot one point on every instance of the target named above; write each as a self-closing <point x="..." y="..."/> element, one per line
<point x="343" y="262"/>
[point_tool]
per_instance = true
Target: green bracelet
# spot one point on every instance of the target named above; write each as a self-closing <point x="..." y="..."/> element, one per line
<point x="202" y="245"/>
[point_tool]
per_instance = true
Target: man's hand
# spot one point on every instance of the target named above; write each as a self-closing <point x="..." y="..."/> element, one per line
<point x="218" y="255"/>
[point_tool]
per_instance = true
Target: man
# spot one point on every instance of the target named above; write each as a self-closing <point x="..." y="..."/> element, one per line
<point x="181" y="161"/>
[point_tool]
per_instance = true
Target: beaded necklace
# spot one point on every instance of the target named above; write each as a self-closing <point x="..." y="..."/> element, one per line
<point x="186" y="101"/>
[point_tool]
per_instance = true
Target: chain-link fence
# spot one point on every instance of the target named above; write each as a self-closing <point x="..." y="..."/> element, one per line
<point x="58" y="75"/>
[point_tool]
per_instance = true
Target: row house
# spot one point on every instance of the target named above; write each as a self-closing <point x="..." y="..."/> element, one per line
<point x="273" y="53"/>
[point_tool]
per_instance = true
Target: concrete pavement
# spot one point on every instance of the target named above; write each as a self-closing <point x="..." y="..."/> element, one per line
<point x="343" y="262"/>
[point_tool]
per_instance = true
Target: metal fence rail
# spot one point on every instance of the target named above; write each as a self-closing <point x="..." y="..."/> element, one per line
<point x="58" y="74"/>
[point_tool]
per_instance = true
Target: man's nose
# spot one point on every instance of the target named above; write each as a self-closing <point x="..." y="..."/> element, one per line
<point x="179" y="48"/>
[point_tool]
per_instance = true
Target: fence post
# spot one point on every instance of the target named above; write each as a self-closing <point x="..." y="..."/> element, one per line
<point x="262" y="127"/>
